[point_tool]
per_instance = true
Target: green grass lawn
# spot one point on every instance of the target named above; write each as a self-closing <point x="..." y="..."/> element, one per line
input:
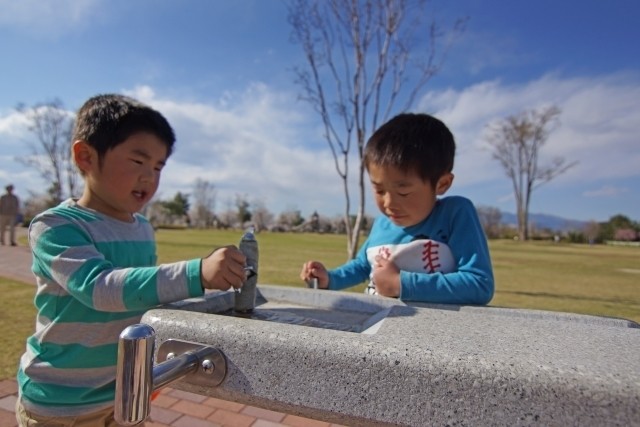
<point x="598" y="280"/>
<point x="17" y="320"/>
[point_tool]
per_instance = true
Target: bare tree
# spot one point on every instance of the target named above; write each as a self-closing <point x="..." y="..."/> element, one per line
<point x="51" y="152"/>
<point x="243" y="212"/>
<point x="261" y="217"/>
<point x="204" y="201"/>
<point x="591" y="231"/>
<point x="490" y="218"/>
<point x="363" y="58"/>
<point x="517" y="142"/>
<point x="290" y="218"/>
<point x="228" y="217"/>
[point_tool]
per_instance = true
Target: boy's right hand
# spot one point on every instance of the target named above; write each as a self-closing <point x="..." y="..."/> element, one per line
<point x="223" y="269"/>
<point x="315" y="270"/>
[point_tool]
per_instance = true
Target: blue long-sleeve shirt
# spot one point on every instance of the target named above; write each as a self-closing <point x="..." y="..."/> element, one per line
<point x="452" y="222"/>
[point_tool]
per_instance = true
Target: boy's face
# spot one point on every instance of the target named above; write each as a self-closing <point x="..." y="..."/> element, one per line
<point x="128" y="178"/>
<point x="403" y="196"/>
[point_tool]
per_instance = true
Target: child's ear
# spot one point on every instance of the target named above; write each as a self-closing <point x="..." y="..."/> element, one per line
<point x="444" y="183"/>
<point x="84" y="156"/>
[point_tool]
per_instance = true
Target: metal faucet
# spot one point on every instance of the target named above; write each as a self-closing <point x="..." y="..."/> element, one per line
<point x="137" y="376"/>
<point x="245" y="297"/>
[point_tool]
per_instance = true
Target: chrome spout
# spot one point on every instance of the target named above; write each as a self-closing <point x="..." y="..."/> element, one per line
<point x="245" y="300"/>
<point x="137" y="377"/>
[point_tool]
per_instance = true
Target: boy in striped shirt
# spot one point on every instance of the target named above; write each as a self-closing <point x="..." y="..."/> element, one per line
<point x="94" y="260"/>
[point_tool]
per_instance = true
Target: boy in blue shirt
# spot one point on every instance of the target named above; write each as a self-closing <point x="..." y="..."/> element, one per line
<point x="423" y="248"/>
<point x="94" y="260"/>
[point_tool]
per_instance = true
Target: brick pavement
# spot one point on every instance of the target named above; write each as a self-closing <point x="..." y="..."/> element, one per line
<point x="172" y="408"/>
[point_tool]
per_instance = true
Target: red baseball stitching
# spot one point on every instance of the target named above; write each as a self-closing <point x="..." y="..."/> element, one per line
<point x="384" y="252"/>
<point x="430" y="256"/>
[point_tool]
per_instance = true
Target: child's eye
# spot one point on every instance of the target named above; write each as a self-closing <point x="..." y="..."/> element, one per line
<point x="403" y="194"/>
<point x="136" y="161"/>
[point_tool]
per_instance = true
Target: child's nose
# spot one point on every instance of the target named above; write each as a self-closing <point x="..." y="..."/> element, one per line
<point x="388" y="200"/>
<point x="148" y="175"/>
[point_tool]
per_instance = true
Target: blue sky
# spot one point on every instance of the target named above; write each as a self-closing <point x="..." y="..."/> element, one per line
<point x="221" y="73"/>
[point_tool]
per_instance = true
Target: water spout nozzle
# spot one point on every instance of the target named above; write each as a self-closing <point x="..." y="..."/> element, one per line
<point x="245" y="298"/>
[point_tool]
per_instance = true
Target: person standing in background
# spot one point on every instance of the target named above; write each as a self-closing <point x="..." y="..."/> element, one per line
<point x="9" y="208"/>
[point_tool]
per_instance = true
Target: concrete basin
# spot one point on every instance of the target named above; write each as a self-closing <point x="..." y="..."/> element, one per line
<point x="300" y="306"/>
<point x="364" y="360"/>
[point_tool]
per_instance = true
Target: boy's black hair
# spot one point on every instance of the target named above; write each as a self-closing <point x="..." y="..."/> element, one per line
<point x="106" y="121"/>
<point x="410" y="142"/>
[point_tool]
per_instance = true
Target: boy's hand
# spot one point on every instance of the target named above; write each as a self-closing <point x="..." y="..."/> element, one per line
<point x="386" y="276"/>
<point x="223" y="269"/>
<point x="314" y="269"/>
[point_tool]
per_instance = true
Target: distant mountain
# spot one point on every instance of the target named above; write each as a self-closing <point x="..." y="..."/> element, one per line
<point x="545" y="221"/>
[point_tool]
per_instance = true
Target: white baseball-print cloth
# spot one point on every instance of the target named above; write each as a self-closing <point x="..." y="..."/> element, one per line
<point x="419" y="256"/>
<point x="453" y="222"/>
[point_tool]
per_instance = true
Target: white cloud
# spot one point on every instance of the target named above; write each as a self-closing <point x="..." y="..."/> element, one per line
<point x="267" y="146"/>
<point x="12" y="125"/>
<point x="605" y="191"/>
<point x="481" y="51"/>
<point x="598" y="124"/>
<point x="48" y="18"/>
<point x="256" y="143"/>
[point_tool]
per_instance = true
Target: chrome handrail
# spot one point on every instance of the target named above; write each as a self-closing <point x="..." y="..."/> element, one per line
<point x="137" y="376"/>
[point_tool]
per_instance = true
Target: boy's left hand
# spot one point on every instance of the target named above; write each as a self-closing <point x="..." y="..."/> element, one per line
<point x="386" y="277"/>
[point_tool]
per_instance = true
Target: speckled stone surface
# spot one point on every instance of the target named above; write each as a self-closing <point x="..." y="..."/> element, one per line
<point x="422" y="365"/>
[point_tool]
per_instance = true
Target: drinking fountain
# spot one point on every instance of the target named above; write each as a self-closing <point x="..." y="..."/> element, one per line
<point x="366" y="360"/>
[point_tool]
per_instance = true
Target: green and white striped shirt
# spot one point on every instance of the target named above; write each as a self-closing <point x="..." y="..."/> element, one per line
<point x="95" y="276"/>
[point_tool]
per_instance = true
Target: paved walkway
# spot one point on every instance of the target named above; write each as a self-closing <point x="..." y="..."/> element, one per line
<point x="172" y="408"/>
